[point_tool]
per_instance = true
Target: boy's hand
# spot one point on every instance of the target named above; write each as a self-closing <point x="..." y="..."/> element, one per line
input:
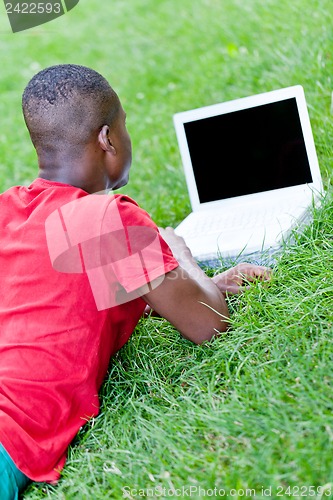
<point x="235" y="279"/>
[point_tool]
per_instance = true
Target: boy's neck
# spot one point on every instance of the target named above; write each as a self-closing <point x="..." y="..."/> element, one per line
<point x="80" y="173"/>
<point x="76" y="181"/>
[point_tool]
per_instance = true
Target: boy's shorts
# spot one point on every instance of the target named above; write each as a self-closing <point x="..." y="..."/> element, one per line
<point x="12" y="480"/>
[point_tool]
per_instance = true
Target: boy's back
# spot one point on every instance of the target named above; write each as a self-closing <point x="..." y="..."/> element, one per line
<point x="55" y="345"/>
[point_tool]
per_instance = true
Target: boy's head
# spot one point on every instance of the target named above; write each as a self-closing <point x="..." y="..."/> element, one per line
<point x="69" y="108"/>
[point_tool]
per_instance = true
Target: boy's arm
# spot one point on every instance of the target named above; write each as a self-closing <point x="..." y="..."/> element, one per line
<point x="187" y="298"/>
<point x="194" y="303"/>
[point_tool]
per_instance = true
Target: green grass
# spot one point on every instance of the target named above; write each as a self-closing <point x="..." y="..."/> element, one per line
<point x="253" y="408"/>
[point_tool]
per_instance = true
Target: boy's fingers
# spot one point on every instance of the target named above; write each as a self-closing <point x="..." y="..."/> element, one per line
<point x="248" y="271"/>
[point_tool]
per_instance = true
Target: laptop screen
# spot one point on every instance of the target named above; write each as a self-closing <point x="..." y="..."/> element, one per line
<point x="248" y="151"/>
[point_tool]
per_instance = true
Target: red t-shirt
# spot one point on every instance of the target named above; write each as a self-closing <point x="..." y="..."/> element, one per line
<point x="67" y="304"/>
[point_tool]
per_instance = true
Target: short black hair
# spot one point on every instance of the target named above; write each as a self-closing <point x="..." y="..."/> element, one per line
<point x="64" y="105"/>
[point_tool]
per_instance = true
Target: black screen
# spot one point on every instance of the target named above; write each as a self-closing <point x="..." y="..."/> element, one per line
<point x="248" y="151"/>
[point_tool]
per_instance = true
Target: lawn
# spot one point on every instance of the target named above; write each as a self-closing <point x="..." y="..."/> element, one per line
<point x="251" y="413"/>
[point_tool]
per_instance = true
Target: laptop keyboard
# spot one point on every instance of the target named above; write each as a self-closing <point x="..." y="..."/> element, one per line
<point x="207" y="223"/>
<point x="268" y="257"/>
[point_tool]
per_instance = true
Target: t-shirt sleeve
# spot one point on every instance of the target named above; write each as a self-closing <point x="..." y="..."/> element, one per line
<point x="134" y="250"/>
<point x="114" y="242"/>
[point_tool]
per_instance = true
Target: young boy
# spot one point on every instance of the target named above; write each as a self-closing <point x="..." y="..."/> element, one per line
<point x="78" y="270"/>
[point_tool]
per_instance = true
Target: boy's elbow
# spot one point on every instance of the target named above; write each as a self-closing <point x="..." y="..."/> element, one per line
<point x="207" y="332"/>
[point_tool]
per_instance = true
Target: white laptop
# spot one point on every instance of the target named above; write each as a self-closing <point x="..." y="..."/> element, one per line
<point x="251" y="170"/>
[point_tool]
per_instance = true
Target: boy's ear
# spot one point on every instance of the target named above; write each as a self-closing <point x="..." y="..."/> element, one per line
<point x="105" y="141"/>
